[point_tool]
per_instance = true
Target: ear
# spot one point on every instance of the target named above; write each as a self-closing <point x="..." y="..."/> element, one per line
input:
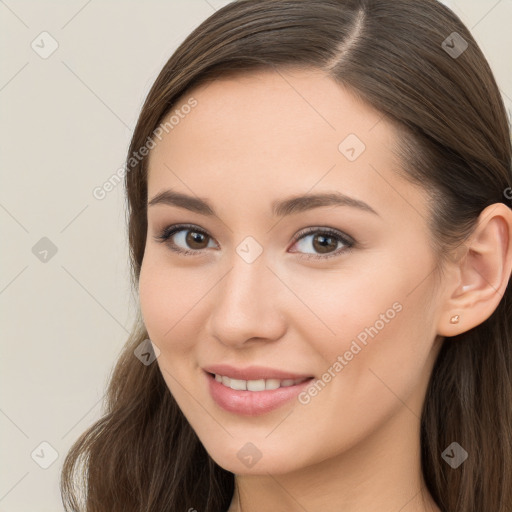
<point x="480" y="274"/>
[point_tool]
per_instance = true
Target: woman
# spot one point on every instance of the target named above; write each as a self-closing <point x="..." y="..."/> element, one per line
<point x="321" y="239"/>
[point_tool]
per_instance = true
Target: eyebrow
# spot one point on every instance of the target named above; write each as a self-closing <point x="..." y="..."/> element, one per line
<point x="280" y="208"/>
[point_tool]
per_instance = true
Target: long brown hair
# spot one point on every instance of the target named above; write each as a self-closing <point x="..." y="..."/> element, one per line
<point x="396" y="55"/>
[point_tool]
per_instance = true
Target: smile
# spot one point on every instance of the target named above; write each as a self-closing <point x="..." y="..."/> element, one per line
<point x="257" y="385"/>
<point x="253" y="397"/>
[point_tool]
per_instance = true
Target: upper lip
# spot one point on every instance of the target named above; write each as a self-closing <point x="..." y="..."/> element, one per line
<point x="252" y="372"/>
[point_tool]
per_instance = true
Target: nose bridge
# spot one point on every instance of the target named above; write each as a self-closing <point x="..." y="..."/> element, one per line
<point x="246" y="281"/>
<point x="246" y="302"/>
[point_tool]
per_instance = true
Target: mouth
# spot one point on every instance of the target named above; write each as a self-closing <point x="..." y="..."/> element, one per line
<point x="253" y="397"/>
<point x="253" y="372"/>
<point x="257" y="385"/>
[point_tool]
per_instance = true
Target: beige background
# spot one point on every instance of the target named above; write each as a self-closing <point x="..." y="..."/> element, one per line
<point x="66" y="125"/>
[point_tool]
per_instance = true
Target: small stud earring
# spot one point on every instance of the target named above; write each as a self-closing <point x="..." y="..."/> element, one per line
<point x="454" y="319"/>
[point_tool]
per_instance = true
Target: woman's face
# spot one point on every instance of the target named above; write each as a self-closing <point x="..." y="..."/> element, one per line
<point x="352" y="304"/>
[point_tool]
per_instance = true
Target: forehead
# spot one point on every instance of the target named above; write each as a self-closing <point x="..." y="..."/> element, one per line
<point x="281" y="110"/>
<point x="276" y="132"/>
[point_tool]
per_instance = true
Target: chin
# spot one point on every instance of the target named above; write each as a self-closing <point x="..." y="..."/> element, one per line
<point x="251" y="458"/>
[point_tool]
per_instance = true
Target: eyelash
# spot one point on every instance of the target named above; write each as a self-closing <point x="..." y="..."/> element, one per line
<point x="169" y="231"/>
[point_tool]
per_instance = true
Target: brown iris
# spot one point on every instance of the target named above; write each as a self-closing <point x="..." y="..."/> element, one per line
<point x="195" y="237"/>
<point x="326" y="242"/>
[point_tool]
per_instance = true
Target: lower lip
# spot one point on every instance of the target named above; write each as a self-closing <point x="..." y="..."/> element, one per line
<point x="252" y="403"/>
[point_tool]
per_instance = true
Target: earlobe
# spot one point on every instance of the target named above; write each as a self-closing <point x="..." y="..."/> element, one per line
<point x="455" y="319"/>
<point x="483" y="273"/>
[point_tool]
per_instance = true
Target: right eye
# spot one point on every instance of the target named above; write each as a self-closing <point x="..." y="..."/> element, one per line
<point x="183" y="234"/>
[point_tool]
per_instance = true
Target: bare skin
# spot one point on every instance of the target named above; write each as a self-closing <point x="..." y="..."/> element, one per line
<point x="255" y="139"/>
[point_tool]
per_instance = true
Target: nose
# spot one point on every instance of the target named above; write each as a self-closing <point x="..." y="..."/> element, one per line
<point x="248" y="304"/>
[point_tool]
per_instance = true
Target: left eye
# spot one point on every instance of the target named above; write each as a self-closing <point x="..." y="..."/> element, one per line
<point x="325" y="242"/>
<point x="192" y="240"/>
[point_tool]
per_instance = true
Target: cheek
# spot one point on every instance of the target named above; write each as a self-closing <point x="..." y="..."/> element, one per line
<point x="343" y="303"/>
<point x="372" y="318"/>
<point x="159" y="297"/>
<point x="152" y="297"/>
<point x="384" y="335"/>
<point x="170" y="302"/>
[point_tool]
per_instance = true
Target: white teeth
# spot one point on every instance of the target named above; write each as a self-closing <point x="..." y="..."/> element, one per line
<point x="256" y="385"/>
<point x="238" y="384"/>
<point x="272" y="383"/>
